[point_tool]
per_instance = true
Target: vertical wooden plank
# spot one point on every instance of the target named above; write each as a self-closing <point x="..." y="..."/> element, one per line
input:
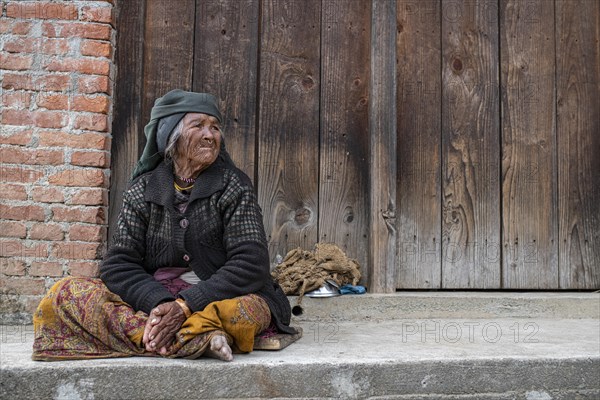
<point x="419" y="142"/>
<point x="529" y="219"/>
<point x="578" y="132"/>
<point x="226" y="64"/>
<point x="470" y="148"/>
<point x="343" y="194"/>
<point x="382" y="154"/>
<point x="168" y="51"/>
<point x="127" y="127"/>
<point x="289" y="123"/>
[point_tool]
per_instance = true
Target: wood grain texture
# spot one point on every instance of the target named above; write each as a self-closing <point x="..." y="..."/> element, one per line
<point x="127" y="129"/>
<point x="470" y="146"/>
<point x="309" y="88"/>
<point x="529" y="215"/>
<point x="345" y="54"/>
<point x="382" y="164"/>
<point x="578" y="133"/>
<point x="226" y="64"/>
<point x="419" y="141"/>
<point x="288" y="167"/>
<point x="168" y="51"/>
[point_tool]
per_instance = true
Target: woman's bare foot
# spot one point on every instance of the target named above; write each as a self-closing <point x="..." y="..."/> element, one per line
<point x="219" y="348"/>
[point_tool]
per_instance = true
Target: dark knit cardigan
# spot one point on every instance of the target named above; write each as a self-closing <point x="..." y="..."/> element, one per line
<point x="220" y="237"/>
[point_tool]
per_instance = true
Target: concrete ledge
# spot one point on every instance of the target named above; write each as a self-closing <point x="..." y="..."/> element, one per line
<point x="402" y="359"/>
<point x="407" y="345"/>
<point x="431" y="304"/>
<point x="378" y="307"/>
<point x="170" y="380"/>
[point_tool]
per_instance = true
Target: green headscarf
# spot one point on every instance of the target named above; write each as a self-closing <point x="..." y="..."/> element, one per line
<point x="175" y="102"/>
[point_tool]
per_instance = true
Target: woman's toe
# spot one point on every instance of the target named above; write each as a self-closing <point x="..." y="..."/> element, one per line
<point x="220" y="349"/>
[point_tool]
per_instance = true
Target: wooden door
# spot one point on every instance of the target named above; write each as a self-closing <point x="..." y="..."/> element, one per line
<point x="443" y="144"/>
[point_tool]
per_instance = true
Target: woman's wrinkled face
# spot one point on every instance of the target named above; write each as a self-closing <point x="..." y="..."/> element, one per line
<point x="200" y="140"/>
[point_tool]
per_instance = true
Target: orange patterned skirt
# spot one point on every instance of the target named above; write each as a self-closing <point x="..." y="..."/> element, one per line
<point x="79" y="318"/>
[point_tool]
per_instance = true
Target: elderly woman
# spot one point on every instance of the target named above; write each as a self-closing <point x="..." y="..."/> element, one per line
<point x="187" y="272"/>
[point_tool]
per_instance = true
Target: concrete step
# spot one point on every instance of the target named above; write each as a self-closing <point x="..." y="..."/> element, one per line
<point x="379" y="307"/>
<point x="424" y="356"/>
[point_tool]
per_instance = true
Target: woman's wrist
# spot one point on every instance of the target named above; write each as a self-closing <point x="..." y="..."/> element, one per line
<point x="184" y="307"/>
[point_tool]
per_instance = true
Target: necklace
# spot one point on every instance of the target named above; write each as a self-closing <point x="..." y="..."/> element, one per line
<point x="181" y="189"/>
<point x="187" y="180"/>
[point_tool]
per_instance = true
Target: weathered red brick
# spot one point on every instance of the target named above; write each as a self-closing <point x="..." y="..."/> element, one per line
<point x="17" y="117"/>
<point x="19" y="174"/>
<point x="47" y="82"/>
<point x="97" y="103"/>
<point x="53" y="101"/>
<point x="14" y="155"/>
<point x="16" y="248"/>
<point x="43" y="119"/>
<point x="45" y="194"/>
<point x="97" y="14"/>
<point x="53" y="82"/>
<point x="87" y="233"/>
<point x="5" y="25"/>
<point x="90" y="158"/>
<point x="55" y="46"/>
<point x="39" y="268"/>
<point x="17" y="82"/>
<point x="92" y="122"/>
<point x="30" y="304"/>
<point x="22" y="213"/>
<point x="93" y="84"/>
<point x="10" y="191"/>
<point x="46" y="232"/>
<point x="90" y="197"/>
<point x="92" y="215"/>
<point x="16" y="62"/>
<point x="82" y="141"/>
<point x="21" y="28"/>
<point x="22" y="45"/>
<point x="87" y="30"/>
<point x="19" y="138"/>
<point x="91" y="66"/>
<point x="13" y="229"/>
<point x="16" y="99"/>
<point x="41" y="10"/>
<point x="95" y="48"/>
<point x="10" y="266"/>
<point x="76" y="250"/>
<point x="86" y="269"/>
<point x="80" y="177"/>
<point x="50" y="119"/>
<point x="23" y="285"/>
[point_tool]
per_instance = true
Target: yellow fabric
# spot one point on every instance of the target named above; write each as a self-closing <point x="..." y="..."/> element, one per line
<point x="79" y="318"/>
<point x="242" y="318"/>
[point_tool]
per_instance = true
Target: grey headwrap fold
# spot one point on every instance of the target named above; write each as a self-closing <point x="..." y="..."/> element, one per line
<point x="166" y="113"/>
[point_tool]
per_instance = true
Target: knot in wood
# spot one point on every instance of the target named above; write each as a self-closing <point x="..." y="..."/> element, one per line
<point x="389" y="217"/>
<point x="308" y="83"/>
<point x="302" y="216"/>
<point x="457" y="65"/>
<point x="348" y="215"/>
<point x="361" y="103"/>
<point x="388" y="214"/>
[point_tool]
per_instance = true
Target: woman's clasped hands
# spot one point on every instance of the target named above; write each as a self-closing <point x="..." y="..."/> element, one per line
<point x="163" y="323"/>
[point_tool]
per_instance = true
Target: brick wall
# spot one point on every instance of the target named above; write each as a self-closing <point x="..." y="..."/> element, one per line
<point x="56" y="82"/>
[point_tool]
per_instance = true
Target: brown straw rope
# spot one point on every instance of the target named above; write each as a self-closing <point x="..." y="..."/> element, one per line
<point x="302" y="271"/>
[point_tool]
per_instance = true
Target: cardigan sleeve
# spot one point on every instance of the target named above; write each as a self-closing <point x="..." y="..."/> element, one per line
<point x="122" y="269"/>
<point x="246" y="269"/>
